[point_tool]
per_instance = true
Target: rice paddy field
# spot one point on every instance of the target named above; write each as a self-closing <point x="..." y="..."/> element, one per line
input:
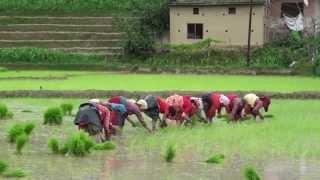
<point x="82" y="80"/>
<point x="283" y="146"/>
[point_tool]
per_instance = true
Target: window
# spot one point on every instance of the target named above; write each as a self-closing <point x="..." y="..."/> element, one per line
<point x="195" y="31"/>
<point x="232" y="10"/>
<point x="195" y="10"/>
<point x="291" y="9"/>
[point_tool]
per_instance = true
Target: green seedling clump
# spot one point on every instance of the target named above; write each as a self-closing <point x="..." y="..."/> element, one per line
<point x="15" y="131"/>
<point x="170" y="153"/>
<point x="3" y="111"/>
<point x="53" y="144"/>
<point x="216" y="159"/>
<point x="16" y="173"/>
<point x="251" y="174"/>
<point x="28" y="128"/>
<point x="3" y="166"/>
<point x="105" y="146"/>
<point x="21" y="142"/>
<point x="53" y="116"/>
<point x="66" y="108"/>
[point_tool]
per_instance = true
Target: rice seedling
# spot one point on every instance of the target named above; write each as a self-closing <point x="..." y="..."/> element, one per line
<point x="170" y="153"/>
<point x="21" y="142"/>
<point x="53" y="116"/>
<point x="216" y="159"/>
<point x="105" y="146"/>
<point x="53" y="144"/>
<point x="15" y="173"/>
<point x="66" y="108"/>
<point x="3" y="111"/>
<point x="251" y="174"/>
<point x="15" y="131"/>
<point x="28" y="128"/>
<point x="3" y="166"/>
<point x="26" y="111"/>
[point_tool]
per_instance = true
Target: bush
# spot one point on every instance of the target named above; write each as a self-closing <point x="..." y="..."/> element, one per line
<point x="53" y="144"/>
<point x="53" y="116"/>
<point x="3" y="111"/>
<point x="251" y="174"/>
<point x="66" y="108"/>
<point x="216" y="159"/>
<point x="21" y="142"/>
<point x="15" y="131"/>
<point x="170" y="153"/>
<point x="16" y="173"/>
<point x="3" y="166"/>
<point x="105" y="146"/>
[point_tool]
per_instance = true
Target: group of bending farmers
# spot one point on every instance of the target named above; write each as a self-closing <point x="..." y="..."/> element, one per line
<point x="103" y="119"/>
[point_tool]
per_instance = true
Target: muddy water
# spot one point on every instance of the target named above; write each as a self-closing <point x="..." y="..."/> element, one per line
<point x="39" y="163"/>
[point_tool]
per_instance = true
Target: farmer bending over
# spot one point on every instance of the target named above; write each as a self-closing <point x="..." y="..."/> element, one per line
<point x="152" y="106"/>
<point x="131" y="108"/>
<point x="235" y="107"/>
<point x="253" y="104"/>
<point x="213" y="103"/>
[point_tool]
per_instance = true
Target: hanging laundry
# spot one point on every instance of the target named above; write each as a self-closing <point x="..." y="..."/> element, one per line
<point x="295" y="23"/>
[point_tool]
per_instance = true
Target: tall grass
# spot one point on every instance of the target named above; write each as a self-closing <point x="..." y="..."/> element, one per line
<point x="170" y="153"/>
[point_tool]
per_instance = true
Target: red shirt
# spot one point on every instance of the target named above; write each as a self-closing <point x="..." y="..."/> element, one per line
<point x="231" y="97"/>
<point x="163" y="106"/>
<point x="215" y="100"/>
<point x="115" y="100"/>
<point x="105" y="116"/>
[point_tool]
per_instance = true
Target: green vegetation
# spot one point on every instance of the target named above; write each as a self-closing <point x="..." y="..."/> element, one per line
<point x="53" y="116"/>
<point x="156" y="82"/>
<point x="53" y="144"/>
<point x="21" y="142"/>
<point x="3" y="111"/>
<point x="292" y="132"/>
<point x="19" y="129"/>
<point x="216" y="159"/>
<point x="3" y="166"/>
<point x="15" y="173"/>
<point x="105" y="146"/>
<point x="66" y="108"/>
<point x="28" y="128"/>
<point x="170" y="153"/>
<point x="251" y="174"/>
<point x="3" y="69"/>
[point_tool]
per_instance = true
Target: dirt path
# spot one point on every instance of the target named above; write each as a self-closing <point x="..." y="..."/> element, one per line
<point x="108" y="93"/>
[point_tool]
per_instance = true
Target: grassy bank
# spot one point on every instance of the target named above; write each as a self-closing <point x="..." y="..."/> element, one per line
<point x="292" y="132"/>
<point x="84" y="80"/>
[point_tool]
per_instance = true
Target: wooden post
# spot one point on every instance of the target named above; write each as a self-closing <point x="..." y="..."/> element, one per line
<point x="249" y="34"/>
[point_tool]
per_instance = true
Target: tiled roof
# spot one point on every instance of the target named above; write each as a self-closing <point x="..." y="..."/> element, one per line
<point x="214" y="2"/>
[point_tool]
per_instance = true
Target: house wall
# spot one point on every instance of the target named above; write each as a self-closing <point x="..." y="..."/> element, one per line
<point x="229" y="30"/>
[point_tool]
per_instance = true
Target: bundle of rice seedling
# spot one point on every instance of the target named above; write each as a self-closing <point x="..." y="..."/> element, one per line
<point x="105" y="146"/>
<point x="28" y="128"/>
<point x="15" y="131"/>
<point x="53" y="144"/>
<point x="21" y="142"/>
<point x="3" y="166"/>
<point x="53" y="116"/>
<point x="170" y="153"/>
<point x="3" y="111"/>
<point x="79" y="144"/>
<point x="216" y="159"/>
<point x="251" y="174"/>
<point x="15" y="173"/>
<point x="66" y="108"/>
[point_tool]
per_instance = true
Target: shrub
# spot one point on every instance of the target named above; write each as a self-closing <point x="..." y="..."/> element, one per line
<point x="105" y="146"/>
<point x="251" y="174"/>
<point x="216" y="159"/>
<point x="3" y="166"/>
<point x="53" y="144"/>
<point x="3" y="111"/>
<point x="170" y="153"/>
<point x="16" y="173"/>
<point x="53" y="116"/>
<point x="21" y="142"/>
<point x="15" y="131"/>
<point x="66" y="108"/>
<point x="28" y="128"/>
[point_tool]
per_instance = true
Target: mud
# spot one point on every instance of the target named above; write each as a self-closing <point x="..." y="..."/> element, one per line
<point x="137" y="94"/>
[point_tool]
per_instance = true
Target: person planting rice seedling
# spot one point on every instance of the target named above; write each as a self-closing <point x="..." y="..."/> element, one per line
<point x="132" y="109"/>
<point x="235" y="108"/>
<point x="254" y="103"/>
<point x="94" y="118"/>
<point x="182" y="108"/>
<point x="213" y="103"/>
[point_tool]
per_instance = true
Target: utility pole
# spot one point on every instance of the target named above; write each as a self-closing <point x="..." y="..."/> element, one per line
<point x="249" y="34"/>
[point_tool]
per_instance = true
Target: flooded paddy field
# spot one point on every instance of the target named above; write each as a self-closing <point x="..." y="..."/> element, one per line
<point x="284" y="146"/>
